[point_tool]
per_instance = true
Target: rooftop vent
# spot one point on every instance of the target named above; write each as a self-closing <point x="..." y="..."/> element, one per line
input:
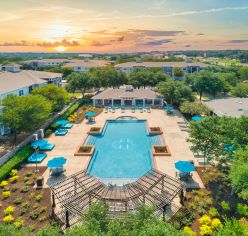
<point x="129" y="88"/>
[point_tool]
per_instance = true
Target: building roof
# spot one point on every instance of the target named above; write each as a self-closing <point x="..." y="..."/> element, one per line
<point x="233" y="106"/>
<point x="56" y="60"/>
<point x="124" y="93"/>
<point x="12" y="65"/>
<point x="87" y="63"/>
<point x="160" y="64"/>
<point x="13" y="81"/>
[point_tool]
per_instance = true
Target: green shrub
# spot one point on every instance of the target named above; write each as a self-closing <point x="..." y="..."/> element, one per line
<point x="216" y="224"/>
<point x="25" y="189"/>
<point x="19" y="223"/>
<point x="42" y="210"/>
<point x="28" y="183"/>
<point x="225" y="206"/>
<point x="26" y="205"/>
<point x="18" y="200"/>
<point x="34" y="215"/>
<point x="8" y="219"/>
<point x="213" y="212"/>
<point x="13" y="188"/>
<point x="13" y="172"/>
<point x="23" y="210"/>
<point x="242" y="209"/>
<point x="36" y="205"/>
<point x="27" y="174"/>
<point x="206" y="230"/>
<point x="6" y="194"/>
<point x="205" y="220"/>
<point x="13" y="179"/>
<point x="25" y="178"/>
<point x="9" y="210"/>
<point x="3" y="184"/>
<point x="39" y="197"/>
<point x="15" y="161"/>
<point x="32" y="196"/>
<point x="42" y="218"/>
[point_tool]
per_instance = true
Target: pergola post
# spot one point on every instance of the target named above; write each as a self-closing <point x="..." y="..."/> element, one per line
<point x="181" y="196"/>
<point x="165" y="207"/>
<point x="67" y="223"/>
<point x="53" y="201"/>
<point x="75" y="187"/>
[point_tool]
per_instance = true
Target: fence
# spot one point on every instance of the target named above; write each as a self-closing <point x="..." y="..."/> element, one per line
<point x="30" y="138"/>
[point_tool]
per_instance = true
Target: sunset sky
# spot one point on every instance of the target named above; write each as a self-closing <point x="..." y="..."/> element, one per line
<point x="122" y="25"/>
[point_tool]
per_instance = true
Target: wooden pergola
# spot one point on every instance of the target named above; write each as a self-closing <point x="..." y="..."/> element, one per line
<point x="74" y="195"/>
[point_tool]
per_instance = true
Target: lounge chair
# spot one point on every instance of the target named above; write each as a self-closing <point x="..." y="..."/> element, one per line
<point x="61" y="132"/>
<point x="183" y="126"/>
<point x="133" y="109"/>
<point x="47" y="147"/>
<point x="141" y="109"/>
<point x="116" y="106"/>
<point x="148" y="109"/>
<point x="106" y="109"/>
<point x="185" y="129"/>
<point x="67" y="126"/>
<point x="122" y="109"/>
<point x="37" y="157"/>
<point x="113" y="110"/>
<point x="205" y="161"/>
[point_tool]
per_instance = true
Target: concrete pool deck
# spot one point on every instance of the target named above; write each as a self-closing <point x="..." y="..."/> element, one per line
<point x="175" y="138"/>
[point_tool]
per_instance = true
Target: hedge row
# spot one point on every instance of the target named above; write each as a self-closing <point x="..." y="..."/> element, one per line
<point x="15" y="161"/>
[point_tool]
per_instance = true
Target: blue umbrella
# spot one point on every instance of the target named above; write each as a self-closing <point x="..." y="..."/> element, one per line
<point x="56" y="162"/>
<point x="229" y="148"/>
<point x="169" y="108"/>
<point x="61" y="122"/>
<point x="39" y="143"/>
<point x="184" y="166"/>
<point x="196" y="118"/>
<point x="90" y="114"/>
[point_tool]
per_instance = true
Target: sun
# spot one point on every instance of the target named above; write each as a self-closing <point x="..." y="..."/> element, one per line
<point x="61" y="48"/>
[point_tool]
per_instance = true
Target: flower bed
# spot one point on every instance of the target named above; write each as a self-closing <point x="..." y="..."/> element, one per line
<point x="84" y="151"/>
<point x="95" y="131"/>
<point x="162" y="150"/>
<point x="155" y="130"/>
<point x="21" y="204"/>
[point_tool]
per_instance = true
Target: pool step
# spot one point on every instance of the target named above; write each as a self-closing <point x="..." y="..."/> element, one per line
<point x="155" y="140"/>
<point x="91" y="140"/>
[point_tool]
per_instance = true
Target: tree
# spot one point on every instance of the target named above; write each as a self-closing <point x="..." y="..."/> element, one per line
<point x="208" y="82"/>
<point x="239" y="173"/>
<point x="243" y="72"/>
<point x="178" y="72"/>
<point x="241" y="90"/>
<point x="57" y="96"/>
<point x="80" y="81"/>
<point x="66" y="71"/>
<point x="24" y="114"/>
<point x="142" y="222"/>
<point x="175" y="92"/>
<point x="194" y="108"/>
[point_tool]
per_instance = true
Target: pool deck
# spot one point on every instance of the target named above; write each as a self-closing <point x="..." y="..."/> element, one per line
<point x="175" y="138"/>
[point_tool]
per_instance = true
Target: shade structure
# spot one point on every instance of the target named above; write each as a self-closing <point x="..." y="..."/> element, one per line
<point x="184" y="166"/>
<point x="169" y="108"/>
<point x="196" y="118"/>
<point x="90" y="114"/>
<point x="39" y="143"/>
<point x="56" y="162"/>
<point x="61" y="122"/>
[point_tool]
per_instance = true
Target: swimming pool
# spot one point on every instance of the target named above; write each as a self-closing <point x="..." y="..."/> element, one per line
<point x="123" y="150"/>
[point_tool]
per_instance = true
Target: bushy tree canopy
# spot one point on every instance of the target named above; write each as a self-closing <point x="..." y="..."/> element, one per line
<point x="57" y="96"/>
<point x="241" y="90"/>
<point x="194" y="108"/>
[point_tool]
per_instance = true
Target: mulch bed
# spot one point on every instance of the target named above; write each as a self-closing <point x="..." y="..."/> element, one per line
<point x="44" y="217"/>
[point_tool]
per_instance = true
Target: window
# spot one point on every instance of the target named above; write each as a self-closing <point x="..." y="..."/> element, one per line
<point x="21" y="93"/>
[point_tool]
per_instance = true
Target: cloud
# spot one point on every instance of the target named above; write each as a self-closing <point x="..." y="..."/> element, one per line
<point x="96" y="43"/>
<point x="64" y="42"/>
<point x="238" y="41"/>
<point x="21" y="43"/>
<point x="158" y="42"/>
<point x="200" y="34"/>
<point x="188" y="46"/>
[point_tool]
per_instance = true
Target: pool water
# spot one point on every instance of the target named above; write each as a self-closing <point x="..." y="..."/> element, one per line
<point x="123" y="150"/>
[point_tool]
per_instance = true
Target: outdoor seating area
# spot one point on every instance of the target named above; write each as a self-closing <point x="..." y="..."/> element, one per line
<point x="37" y="157"/>
<point x="56" y="166"/>
<point x="61" y="132"/>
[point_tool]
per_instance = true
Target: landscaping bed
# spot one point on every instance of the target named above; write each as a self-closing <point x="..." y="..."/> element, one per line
<point x="213" y="204"/>
<point x="155" y="130"/>
<point x="95" y="131"/>
<point x="162" y="150"/>
<point x="84" y="151"/>
<point x="32" y="207"/>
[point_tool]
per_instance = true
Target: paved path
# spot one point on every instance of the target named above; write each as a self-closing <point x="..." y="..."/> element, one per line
<point x="173" y="136"/>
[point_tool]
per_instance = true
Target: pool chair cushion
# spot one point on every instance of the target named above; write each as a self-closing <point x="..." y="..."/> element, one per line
<point x="37" y="158"/>
<point x="61" y="132"/>
<point x="47" y="147"/>
<point x="67" y="126"/>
